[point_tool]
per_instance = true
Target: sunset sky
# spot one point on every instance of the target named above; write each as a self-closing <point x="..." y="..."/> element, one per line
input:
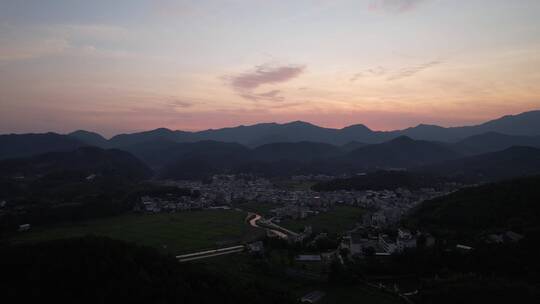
<point x="124" y="66"/>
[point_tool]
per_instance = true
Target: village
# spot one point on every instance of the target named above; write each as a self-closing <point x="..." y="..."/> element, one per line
<point x="377" y="232"/>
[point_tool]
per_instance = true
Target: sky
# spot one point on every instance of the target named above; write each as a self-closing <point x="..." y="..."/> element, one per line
<point x="131" y="65"/>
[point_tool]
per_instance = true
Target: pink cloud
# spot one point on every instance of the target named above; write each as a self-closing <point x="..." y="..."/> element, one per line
<point x="266" y="75"/>
<point x="245" y="83"/>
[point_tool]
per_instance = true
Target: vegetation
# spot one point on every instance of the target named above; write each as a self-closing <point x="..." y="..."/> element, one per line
<point x="24" y="145"/>
<point x="84" y="161"/>
<point x="261" y="208"/>
<point x="509" y="205"/>
<point x="338" y="220"/>
<point x="174" y="233"/>
<point x="495" y="166"/>
<point x="70" y="197"/>
<point x="101" y="270"/>
<point x="271" y="271"/>
<point x="379" y="180"/>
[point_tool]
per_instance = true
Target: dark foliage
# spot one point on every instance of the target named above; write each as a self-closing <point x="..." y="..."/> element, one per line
<point x="24" y="145"/>
<point x="101" y="270"/>
<point x="505" y="205"/>
<point x="510" y="163"/>
<point x="83" y="161"/>
<point x="401" y="152"/>
<point x="380" y="180"/>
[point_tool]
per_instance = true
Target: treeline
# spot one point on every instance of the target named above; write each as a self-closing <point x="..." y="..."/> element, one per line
<point x="50" y="201"/>
<point x="380" y="180"/>
<point x="102" y="270"/>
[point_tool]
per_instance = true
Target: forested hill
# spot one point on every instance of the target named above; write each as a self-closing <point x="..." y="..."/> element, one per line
<point x="84" y="161"/>
<point x="508" y="205"/>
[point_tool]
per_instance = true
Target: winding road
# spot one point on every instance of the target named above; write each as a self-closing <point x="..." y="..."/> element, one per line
<point x="281" y="232"/>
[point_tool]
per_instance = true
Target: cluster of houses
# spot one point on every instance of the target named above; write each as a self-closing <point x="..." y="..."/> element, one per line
<point x="363" y="242"/>
<point x="169" y="203"/>
<point x="296" y="204"/>
<point x="505" y="237"/>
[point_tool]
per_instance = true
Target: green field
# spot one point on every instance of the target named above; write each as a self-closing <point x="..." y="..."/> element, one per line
<point x="243" y="268"/>
<point x="173" y="233"/>
<point x="335" y="221"/>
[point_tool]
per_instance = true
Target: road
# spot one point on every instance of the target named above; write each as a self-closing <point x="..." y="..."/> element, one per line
<point x="278" y="230"/>
<point x="254" y="222"/>
<point x="209" y="253"/>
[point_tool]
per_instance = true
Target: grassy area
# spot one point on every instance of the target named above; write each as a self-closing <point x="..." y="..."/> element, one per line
<point x="335" y="221"/>
<point x="173" y="233"/>
<point x="241" y="267"/>
<point x="260" y="208"/>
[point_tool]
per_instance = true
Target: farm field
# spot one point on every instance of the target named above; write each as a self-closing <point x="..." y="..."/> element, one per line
<point x="171" y="233"/>
<point x="339" y="220"/>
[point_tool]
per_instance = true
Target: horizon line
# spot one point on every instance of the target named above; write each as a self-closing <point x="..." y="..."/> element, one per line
<point x="276" y="123"/>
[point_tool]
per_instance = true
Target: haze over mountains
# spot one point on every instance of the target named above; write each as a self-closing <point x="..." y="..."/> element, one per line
<point x="525" y="124"/>
<point x="294" y="148"/>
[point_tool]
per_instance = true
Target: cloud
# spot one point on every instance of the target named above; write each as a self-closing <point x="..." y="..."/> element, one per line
<point x="264" y="74"/>
<point x="245" y="83"/>
<point x="273" y="95"/>
<point x="373" y="72"/>
<point x="394" y="6"/>
<point x="412" y="70"/>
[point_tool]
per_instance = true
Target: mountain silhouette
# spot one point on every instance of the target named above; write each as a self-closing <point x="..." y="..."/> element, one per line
<point x="512" y="162"/>
<point x="524" y="124"/>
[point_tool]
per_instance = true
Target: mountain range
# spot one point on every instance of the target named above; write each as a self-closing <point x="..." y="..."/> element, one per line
<point x="501" y="148"/>
<point x="524" y="124"/>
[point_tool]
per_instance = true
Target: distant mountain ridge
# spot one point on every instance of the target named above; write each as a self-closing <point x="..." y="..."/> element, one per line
<point x="198" y="160"/>
<point x="90" y="138"/>
<point x="524" y="124"/>
<point x="298" y="148"/>
<point x="493" y="141"/>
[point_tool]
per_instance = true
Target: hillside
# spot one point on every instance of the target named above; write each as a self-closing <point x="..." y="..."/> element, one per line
<point x="126" y="140"/>
<point x="493" y="141"/>
<point x="402" y="152"/>
<point x="89" y="138"/>
<point x="299" y="151"/>
<point x="83" y="161"/>
<point x="202" y="159"/>
<point x="509" y="163"/>
<point x="23" y="145"/>
<point x="507" y="205"/>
